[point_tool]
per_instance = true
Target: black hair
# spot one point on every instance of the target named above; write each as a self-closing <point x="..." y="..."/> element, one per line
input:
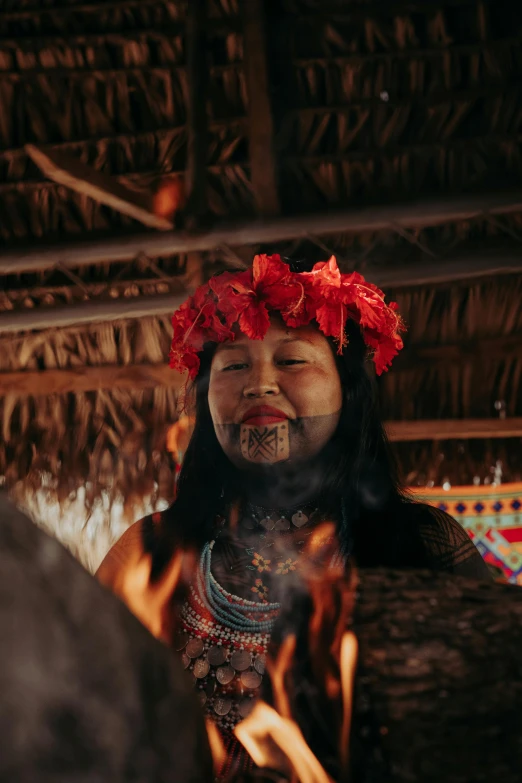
<point x="360" y="471"/>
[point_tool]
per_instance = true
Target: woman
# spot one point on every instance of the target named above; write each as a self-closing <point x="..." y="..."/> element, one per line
<point x="286" y="436"/>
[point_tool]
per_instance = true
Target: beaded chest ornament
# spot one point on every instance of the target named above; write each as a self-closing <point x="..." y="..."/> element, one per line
<point x="224" y="640"/>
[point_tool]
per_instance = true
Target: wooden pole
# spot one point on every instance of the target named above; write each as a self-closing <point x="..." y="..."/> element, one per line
<point x="76" y="175"/>
<point x="84" y="379"/>
<point x="87" y="312"/>
<point x="500" y="347"/>
<point x="139" y="307"/>
<point x="122" y="248"/>
<point x="260" y="116"/>
<point x="447" y="270"/>
<point x="197" y="132"/>
<point x="197" y="123"/>
<point x="453" y="429"/>
<point x="145" y="376"/>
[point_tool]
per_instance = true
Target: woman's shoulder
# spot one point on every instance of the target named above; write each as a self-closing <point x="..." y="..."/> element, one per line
<point x="432" y="518"/>
<point x="446" y="543"/>
<point x="128" y="548"/>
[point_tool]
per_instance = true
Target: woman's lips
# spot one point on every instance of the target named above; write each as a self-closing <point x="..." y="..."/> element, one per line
<point x="259" y="421"/>
<point x="263" y="415"/>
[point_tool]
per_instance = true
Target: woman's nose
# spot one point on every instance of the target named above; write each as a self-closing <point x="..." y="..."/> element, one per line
<point x="262" y="381"/>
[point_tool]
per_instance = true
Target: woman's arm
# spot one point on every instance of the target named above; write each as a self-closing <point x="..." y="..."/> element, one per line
<point x="126" y="551"/>
<point x="126" y="571"/>
<point x="447" y="545"/>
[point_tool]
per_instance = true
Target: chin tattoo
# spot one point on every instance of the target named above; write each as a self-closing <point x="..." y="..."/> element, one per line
<point x="265" y="445"/>
<point x="271" y="444"/>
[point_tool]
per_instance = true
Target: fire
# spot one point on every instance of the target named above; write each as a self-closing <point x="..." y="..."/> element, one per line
<point x="271" y="734"/>
<point x="150" y="600"/>
<point x="217" y="747"/>
<point x="278" y="671"/>
<point x="327" y="653"/>
<point x="276" y="742"/>
<point x="348" y="663"/>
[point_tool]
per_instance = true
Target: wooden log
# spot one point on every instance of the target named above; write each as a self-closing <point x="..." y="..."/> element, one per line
<point x="197" y="121"/>
<point x="499" y="347"/>
<point x="193" y="274"/>
<point x="87" y="693"/>
<point x="88" y="312"/>
<point x="147" y="376"/>
<point x="122" y="248"/>
<point x="447" y="270"/>
<point x="137" y="307"/>
<point x="438" y="684"/>
<point x="261" y="122"/>
<point x="432" y="99"/>
<point x="73" y="173"/>
<point x="408" y="53"/>
<point x="453" y="429"/>
<point x="77" y="8"/>
<point x="197" y="134"/>
<point x="84" y="379"/>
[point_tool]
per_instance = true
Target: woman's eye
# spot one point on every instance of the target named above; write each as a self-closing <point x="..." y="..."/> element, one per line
<point x="290" y="362"/>
<point x="236" y="366"/>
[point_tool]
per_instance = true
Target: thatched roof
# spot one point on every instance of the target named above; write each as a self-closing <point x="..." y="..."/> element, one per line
<point x="371" y="103"/>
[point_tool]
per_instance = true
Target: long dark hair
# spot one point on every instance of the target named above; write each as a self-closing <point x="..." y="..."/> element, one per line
<point x="360" y="472"/>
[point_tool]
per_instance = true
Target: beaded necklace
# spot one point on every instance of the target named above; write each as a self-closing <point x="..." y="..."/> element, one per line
<point x="238" y="613"/>
<point x="224" y="638"/>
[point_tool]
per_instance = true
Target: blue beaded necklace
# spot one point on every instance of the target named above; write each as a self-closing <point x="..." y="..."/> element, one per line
<point x="228" y="609"/>
<point x="233" y="611"/>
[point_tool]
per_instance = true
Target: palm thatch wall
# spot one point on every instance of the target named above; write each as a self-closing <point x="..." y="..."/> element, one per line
<point x="108" y="83"/>
<point x="110" y="439"/>
<point x="371" y="103"/>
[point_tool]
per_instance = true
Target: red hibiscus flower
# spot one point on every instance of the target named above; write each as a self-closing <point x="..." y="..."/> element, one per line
<point x="195" y="323"/>
<point x="246" y="299"/>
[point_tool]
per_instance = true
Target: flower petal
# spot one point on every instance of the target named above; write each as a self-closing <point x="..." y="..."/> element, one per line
<point x="254" y="321"/>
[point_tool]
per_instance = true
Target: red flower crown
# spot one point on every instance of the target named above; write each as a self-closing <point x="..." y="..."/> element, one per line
<point x="246" y="299"/>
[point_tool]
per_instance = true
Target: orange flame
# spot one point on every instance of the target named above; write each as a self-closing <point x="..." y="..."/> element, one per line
<point x="150" y="601"/>
<point x="271" y="735"/>
<point x="348" y="663"/>
<point x="217" y="747"/>
<point x="276" y="742"/>
<point x="278" y="671"/>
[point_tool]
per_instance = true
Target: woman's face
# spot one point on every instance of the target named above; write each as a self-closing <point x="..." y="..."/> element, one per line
<point x="275" y="399"/>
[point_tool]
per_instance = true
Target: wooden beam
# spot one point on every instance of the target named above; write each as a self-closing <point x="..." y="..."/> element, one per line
<point x="197" y="120"/>
<point x="445" y="270"/>
<point x="425" y="53"/>
<point x="196" y="207"/>
<point x="261" y="122"/>
<point x="139" y="307"/>
<point x="123" y="248"/>
<point x="64" y="9"/>
<point x="413" y="100"/>
<point x="88" y="312"/>
<point x="453" y="429"/>
<point x="193" y="275"/>
<point x="85" y="379"/>
<point x="500" y="347"/>
<point x="76" y="175"/>
<point x="147" y="376"/>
